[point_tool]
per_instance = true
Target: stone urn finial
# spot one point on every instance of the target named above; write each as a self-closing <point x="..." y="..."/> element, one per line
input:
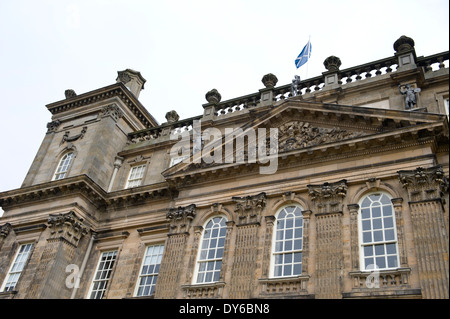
<point x="69" y="93"/>
<point x="269" y="80"/>
<point x="403" y="44"/>
<point x="332" y="63"/>
<point x="172" y="116"/>
<point x="213" y="96"/>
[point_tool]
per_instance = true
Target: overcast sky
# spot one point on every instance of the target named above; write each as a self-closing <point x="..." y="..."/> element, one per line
<point x="183" y="49"/>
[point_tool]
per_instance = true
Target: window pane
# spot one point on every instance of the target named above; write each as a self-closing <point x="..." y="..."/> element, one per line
<point x="387" y="210"/>
<point x="392" y="261"/>
<point x="379" y="250"/>
<point x="367" y="237"/>
<point x="365" y="213"/>
<point x="377" y="236"/>
<point x="389" y="234"/>
<point x="376" y="223"/>
<point x="368" y="251"/>
<point x="381" y="262"/>
<point x="388" y="222"/>
<point x="376" y="211"/>
<point x="391" y="249"/>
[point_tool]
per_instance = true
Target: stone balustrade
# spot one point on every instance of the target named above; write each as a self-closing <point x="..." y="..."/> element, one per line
<point x="276" y="286"/>
<point x="386" y="279"/>
<point x="237" y="106"/>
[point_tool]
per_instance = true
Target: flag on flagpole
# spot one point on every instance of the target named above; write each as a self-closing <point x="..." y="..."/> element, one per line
<point x="304" y="56"/>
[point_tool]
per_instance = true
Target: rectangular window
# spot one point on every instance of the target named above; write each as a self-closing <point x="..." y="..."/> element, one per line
<point x="149" y="271"/>
<point x="103" y="274"/>
<point x="136" y="176"/>
<point x="17" y="267"/>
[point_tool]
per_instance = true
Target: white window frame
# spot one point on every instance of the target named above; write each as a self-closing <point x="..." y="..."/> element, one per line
<point x="152" y="259"/>
<point x="205" y="262"/>
<point x="136" y="180"/>
<point x="17" y="266"/>
<point x="98" y="272"/>
<point x="280" y="239"/>
<point x="63" y="166"/>
<point x="364" y="260"/>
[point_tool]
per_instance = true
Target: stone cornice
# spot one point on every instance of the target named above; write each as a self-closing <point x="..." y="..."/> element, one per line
<point x="396" y="139"/>
<point x="82" y="184"/>
<point x="114" y="90"/>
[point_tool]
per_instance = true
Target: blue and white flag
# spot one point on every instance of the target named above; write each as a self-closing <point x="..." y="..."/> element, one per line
<point x="304" y="56"/>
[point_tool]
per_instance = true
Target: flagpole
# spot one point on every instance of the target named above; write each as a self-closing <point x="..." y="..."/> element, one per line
<point x="309" y="53"/>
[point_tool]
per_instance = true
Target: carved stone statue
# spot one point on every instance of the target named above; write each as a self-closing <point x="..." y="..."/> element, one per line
<point x="410" y="95"/>
<point x="295" y="85"/>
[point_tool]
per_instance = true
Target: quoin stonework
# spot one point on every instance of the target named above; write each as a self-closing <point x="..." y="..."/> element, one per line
<point x="354" y="205"/>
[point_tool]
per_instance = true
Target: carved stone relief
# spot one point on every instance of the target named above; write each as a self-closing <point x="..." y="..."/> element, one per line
<point x="180" y="218"/>
<point x="298" y="134"/>
<point x="67" y="226"/>
<point x="249" y="208"/>
<point x="328" y="197"/>
<point x="112" y="110"/>
<point x="67" y="138"/>
<point x="424" y="183"/>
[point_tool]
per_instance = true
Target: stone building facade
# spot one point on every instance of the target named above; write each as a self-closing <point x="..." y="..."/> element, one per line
<point x="348" y="198"/>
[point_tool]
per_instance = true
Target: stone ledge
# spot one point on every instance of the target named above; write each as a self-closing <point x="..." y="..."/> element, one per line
<point x="209" y="290"/>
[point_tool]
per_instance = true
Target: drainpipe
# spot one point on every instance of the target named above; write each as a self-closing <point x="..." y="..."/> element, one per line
<point x="83" y="265"/>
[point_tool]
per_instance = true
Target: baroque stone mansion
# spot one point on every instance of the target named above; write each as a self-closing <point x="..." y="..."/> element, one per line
<point x="116" y="205"/>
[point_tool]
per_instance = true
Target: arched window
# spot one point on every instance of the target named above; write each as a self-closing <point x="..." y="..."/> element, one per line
<point x="209" y="260"/>
<point x="63" y="166"/>
<point x="378" y="235"/>
<point x="287" y="242"/>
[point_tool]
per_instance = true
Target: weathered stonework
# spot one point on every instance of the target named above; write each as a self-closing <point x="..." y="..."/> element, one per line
<point x="341" y="137"/>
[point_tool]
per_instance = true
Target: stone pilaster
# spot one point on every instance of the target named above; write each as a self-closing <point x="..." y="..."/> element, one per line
<point x="268" y="236"/>
<point x="172" y="264"/>
<point x="4" y="232"/>
<point x="354" y="244"/>
<point x="328" y="200"/>
<point x="425" y="188"/>
<point x="62" y="249"/>
<point x="246" y="251"/>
